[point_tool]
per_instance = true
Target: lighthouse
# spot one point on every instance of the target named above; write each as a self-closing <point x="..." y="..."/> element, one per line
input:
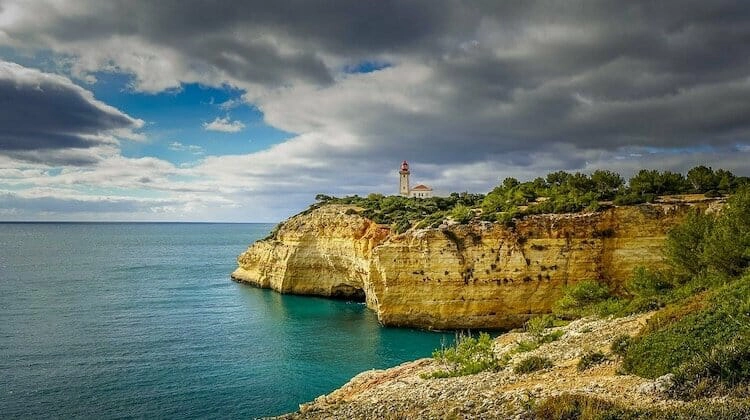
<point x="404" y="182"/>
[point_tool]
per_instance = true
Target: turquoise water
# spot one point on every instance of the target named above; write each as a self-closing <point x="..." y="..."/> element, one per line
<point x="141" y="320"/>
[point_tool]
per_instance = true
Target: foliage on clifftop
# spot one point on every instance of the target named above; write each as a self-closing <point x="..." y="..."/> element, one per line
<point x="403" y="212"/>
<point x="558" y="192"/>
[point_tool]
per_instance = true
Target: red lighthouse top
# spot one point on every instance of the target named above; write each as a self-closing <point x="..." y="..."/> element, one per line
<point x="404" y="166"/>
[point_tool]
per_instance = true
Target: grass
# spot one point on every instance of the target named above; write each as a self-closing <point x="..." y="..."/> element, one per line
<point x="691" y="329"/>
<point x="575" y="406"/>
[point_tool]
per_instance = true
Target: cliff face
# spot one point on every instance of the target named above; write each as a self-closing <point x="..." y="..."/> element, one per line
<point x="464" y="276"/>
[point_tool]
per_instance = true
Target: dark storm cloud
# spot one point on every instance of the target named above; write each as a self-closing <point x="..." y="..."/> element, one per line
<point x="43" y="113"/>
<point x="513" y="76"/>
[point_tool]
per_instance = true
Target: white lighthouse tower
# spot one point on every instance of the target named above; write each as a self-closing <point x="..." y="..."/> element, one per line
<point x="404" y="182"/>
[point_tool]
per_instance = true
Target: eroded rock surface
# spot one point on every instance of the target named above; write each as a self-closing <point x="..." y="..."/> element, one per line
<point x="481" y="275"/>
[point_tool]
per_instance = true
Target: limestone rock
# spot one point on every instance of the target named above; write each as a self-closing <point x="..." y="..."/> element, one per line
<point x="460" y="276"/>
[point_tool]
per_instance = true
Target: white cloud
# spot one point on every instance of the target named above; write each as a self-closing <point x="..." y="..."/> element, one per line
<point x="190" y="148"/>
<point x="224" y="125"/>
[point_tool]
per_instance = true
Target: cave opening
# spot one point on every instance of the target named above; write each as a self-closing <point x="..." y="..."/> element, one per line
<point x="348" y="292"/>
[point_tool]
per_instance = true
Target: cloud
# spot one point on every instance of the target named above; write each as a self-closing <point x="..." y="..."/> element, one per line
<point x="191" y="148"/>
<point x="224" y="125"/>
<point x="48" y="118"/>
<point x="472" y="92"/>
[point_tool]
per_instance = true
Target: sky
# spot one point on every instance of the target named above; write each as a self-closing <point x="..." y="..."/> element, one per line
<point x="243" y="111"/>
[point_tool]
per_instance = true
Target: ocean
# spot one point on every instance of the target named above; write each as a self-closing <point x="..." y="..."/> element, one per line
<point x="124" y="320"/>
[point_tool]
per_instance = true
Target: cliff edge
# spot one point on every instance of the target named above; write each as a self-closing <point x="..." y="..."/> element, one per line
<point x="481" y="275"/>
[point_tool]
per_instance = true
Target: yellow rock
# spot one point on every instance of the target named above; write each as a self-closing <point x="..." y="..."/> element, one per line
<point x="465" y="276"/>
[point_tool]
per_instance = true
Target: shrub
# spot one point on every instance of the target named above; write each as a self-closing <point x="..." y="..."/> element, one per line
<point x="467" y="356"/>
<point x="532" y="364"/>
<point x="620" y="344"/>
<point x="462" y="214"/>
<point x="728" y="248"/>
<point x="578" y="300"/>
<point x="527" y="345"/>
<point x="590" y="359"/>
<point x="708" y="373"/>
<point x="553" y="336"/>
<point x="648" y="283"/>
<point x="536" y="326"/>
<point x="686" y="242"/>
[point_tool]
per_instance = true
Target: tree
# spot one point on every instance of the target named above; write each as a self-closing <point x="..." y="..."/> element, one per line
<point x="686" y="243"/>
<point x="509" y="183"/>
<point x="728" y="247"/>
<point x="607" y="183"/>
<point x="702" y="179"/>
<point x="557" y="178"/>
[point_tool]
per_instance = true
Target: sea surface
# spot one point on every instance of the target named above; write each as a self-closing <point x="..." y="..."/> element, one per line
<point x="122" y="320"/>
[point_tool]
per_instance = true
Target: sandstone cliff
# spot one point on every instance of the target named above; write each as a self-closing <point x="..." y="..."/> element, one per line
<point x="481" y="275"/>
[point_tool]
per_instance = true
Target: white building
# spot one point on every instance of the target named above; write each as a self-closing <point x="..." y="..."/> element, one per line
<point x="420" y="191"/>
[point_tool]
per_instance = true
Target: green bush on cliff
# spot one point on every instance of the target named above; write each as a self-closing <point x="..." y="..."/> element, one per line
<point x="467" y="356"/>
<point x="588" y="297"/>
<point x="532" y="364"/>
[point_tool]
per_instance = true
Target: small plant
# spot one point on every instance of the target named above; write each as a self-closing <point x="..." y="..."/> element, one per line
<point x="467" y="356"/>
<point x="536" y="326"/>
<point x="553" y="336"/>
<point x="580" y="299"/>
<point x="590" y="359"/>
<point x="532" y="364"/>
<point x="525" y="346"/>
<point x="462" y="214"/>
<point x="620" y="344"/>
<point x="648" y="283"/>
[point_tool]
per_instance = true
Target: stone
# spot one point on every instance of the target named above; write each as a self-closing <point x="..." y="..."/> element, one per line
<point x="481" y="275"/>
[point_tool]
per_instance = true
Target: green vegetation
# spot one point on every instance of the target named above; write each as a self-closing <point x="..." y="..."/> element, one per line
<point x="591" y="359"/>
<point x="558" y="192"/>
<point x="701" y="333"/>
<point x="620" y="344"/>
<point x="532" y="364"/>
<point x="588" y="297"/>
<point x="401" y="213"/>
<point x="577" y="406"/>
<point x="467" y="356"/>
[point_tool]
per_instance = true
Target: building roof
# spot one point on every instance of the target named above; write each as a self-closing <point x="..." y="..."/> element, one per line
<point x="421" y="187"/>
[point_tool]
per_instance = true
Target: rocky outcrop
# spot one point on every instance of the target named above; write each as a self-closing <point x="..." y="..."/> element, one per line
<point x="407" y="391"/>
<point x="480" y="275"/>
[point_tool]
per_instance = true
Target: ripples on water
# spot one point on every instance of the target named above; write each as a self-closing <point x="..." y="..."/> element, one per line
<point x="141" y="320"/>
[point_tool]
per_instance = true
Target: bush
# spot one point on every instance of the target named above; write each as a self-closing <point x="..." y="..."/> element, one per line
<point x="686" y="242"/>
<point x="525" y="346"/>
<point x="553" y="336"/>
<point x="620" y="344"/>
<point x="536" y="326"/>
<point x="467" y="356"/>
<point x="532" y="364"/>
<point x="728" y="248"/>
<point x="708" y="374"/>
<point x="647" y="283"/>
<point x="580" y="299"/>
<point x="590" y="359"/>
<point x="462" y="214"/>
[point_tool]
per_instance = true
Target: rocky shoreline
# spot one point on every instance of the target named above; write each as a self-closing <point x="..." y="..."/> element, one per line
<point x="403" y="392"/>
